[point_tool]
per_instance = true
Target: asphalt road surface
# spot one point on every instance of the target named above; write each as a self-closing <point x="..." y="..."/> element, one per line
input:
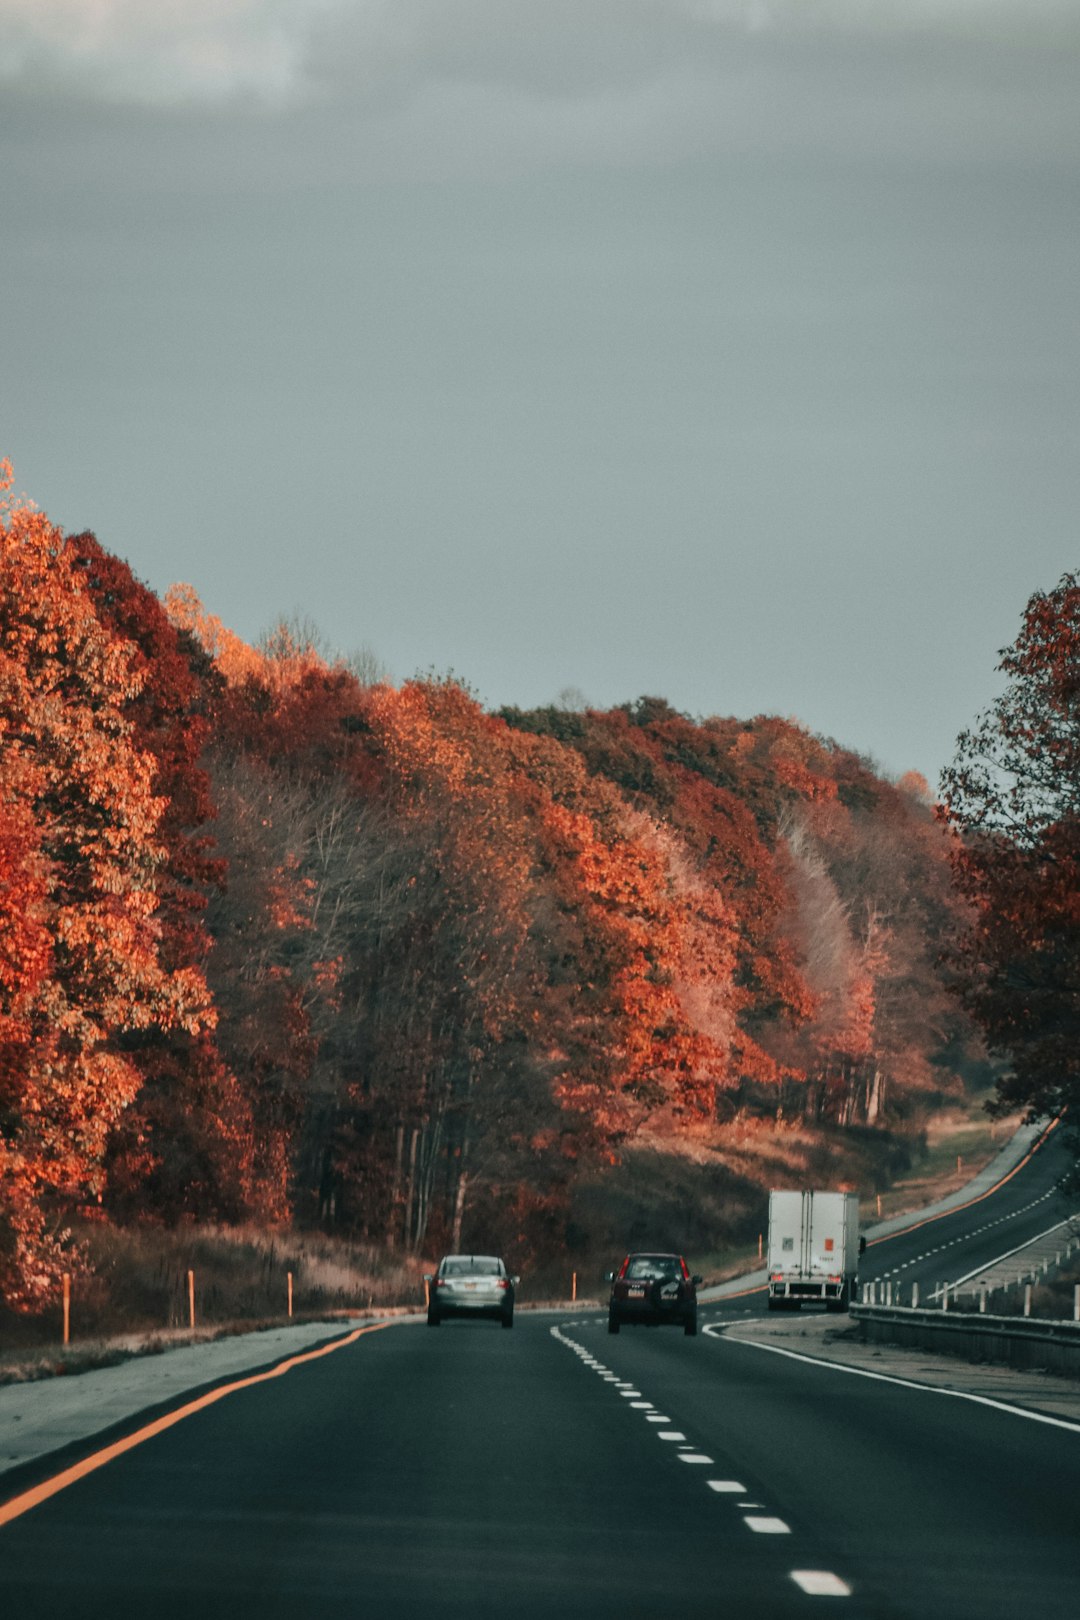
<point x="560" y="1471"/>
<point x="950" y="1247"/>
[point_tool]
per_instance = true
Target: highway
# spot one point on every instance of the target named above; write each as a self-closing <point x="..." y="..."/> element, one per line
<point x="953" y="1246"/>
<point x="943" y="1248"/>
<point x="558" y="1470"/>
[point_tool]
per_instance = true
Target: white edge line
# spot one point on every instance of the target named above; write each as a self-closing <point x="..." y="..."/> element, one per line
<point x="908" y="1383"/>
<point x="1020" y="1247"/>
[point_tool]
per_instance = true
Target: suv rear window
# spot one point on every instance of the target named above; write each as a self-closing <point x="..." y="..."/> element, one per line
<point x="647" y="1267"/>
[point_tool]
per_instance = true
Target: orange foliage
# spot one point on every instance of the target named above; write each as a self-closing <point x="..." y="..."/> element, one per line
<point x="71" y="772"/>
<point x="235" y="659"/>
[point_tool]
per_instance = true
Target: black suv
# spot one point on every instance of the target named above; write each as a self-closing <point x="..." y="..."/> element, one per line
<point x="653" y="1288"/>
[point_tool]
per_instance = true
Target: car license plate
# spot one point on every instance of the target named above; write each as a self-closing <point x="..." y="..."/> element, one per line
<point x="635" y="1293"/>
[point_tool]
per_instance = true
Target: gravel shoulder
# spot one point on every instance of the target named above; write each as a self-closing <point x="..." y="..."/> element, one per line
<point x="51" y="1414"/>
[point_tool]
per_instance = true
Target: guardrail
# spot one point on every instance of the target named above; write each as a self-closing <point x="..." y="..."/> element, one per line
<point x="1017" y="1341"/>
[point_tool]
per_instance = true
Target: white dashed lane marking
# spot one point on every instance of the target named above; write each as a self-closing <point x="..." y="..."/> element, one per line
<point x="820" y="1583"/>
<point x="963" y="1238"/>
<point x="814" y="1582"/>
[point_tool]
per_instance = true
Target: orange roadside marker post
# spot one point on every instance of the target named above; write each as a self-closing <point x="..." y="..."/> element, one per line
<point x="67" y="1308"/>
<point x="289" y="1274"/>
<point x="191" y="1298"/>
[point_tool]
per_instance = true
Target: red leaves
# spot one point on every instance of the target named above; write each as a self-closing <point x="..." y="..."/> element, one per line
<point x="1013" y="796"/>
<point x="83" y="850"/>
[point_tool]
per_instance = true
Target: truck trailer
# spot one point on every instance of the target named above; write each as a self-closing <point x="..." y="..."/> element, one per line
<point x="814" y="1249"/>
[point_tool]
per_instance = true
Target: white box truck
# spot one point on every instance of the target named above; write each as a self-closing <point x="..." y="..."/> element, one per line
<point x="814" y="1249"/>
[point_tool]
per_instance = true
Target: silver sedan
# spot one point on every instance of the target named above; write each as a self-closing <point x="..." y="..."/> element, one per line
<point x="471" y="1285"/>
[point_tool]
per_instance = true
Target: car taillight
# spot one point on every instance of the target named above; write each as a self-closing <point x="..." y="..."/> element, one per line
<point x="503" y="1283"/>
<point x="440" y="1282"/>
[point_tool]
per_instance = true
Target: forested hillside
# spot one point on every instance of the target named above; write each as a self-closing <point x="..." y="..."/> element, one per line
<point x="281" y="944"/>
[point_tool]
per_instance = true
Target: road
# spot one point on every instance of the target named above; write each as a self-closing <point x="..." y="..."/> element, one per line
<point x="953" y="1246"/>
<point x="560" y="1471"/>
<point x="475" y="1472"/>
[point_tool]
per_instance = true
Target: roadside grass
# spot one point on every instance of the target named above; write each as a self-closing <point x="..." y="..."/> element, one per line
<point x="135" y="1299"/>
<point x="959" y="1142"/>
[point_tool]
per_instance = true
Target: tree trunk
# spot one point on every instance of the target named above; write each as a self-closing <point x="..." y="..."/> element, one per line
<point x="393" y="1214"/>
<point x="459" y="1210"/>
<point x="410" y="1186"/>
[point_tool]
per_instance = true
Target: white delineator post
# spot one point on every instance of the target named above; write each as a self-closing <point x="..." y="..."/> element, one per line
<point x="915" y="1296"/>
<point x="1027" y="1299"/>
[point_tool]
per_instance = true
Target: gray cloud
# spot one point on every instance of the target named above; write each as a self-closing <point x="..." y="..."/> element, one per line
<point x="717" y="349"/>
<point x="175" y="51"/>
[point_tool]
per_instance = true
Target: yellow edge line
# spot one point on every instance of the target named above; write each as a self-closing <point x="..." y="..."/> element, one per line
<point x="19" y="1505"/>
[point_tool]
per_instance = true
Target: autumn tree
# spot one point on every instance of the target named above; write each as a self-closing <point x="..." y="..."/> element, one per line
<point x="1012" y="796"/>
<point x="83" y="832"/>
<point x="183" y="1148"/>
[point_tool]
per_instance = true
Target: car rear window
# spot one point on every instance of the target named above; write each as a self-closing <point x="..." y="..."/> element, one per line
<point x="647" y="1267"/>
<point x="467" y="1266"/>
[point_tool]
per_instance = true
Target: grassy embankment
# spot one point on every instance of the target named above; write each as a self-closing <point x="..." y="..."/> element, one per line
<point x="707" y="1194"/>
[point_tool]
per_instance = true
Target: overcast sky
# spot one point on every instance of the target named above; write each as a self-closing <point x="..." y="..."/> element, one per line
<point x="724" y="350"/>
